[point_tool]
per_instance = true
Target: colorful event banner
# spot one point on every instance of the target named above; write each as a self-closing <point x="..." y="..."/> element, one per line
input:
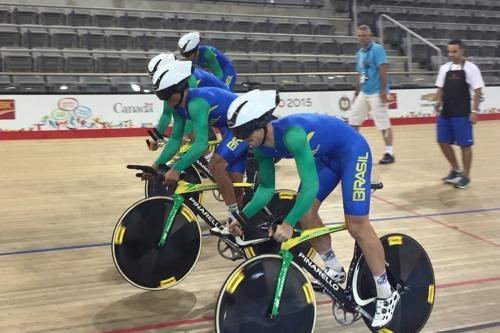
<point x="100" y="115"/>
<point x="80" y="112"/>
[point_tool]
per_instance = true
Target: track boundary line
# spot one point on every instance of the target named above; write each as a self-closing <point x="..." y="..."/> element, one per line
<point x="380" y="219"/>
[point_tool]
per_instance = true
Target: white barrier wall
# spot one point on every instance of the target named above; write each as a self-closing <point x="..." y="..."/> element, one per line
<point x="410" y="103"/>
<point x="80" y="112"/>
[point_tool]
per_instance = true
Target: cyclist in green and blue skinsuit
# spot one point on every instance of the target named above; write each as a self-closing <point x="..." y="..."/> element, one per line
<point x="326" y="151"/>
<point x="208" y="57"/>
<point x="204" y="107"/>
<point x="199" y="78"/>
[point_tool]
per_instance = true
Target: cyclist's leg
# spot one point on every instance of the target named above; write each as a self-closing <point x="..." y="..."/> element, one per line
<point x="236" y="170"/>
<point x="329" y="179"/>
<point x="228" y="165"/>
<point x="356" y="175"/>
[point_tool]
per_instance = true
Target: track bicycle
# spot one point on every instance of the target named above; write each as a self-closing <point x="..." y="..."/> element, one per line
<point x="271" y="293"/>
<point x="157" y="241"/>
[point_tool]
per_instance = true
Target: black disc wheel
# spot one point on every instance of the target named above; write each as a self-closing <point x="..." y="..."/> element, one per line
<point x="246" y="298"/>
<point x="135" y="246"/>
<point x="410" y="271"/>
<point x="154" y="188"/>
<point x="281" y="203"/>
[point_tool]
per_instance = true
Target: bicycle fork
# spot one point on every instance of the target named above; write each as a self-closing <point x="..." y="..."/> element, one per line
<point x="285" y="265"/>
<point x="167" y="223"/>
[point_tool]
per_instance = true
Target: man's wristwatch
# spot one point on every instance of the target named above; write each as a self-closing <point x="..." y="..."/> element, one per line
<point x="475" y="111"/>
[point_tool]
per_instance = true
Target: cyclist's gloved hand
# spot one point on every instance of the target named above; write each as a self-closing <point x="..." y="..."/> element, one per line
<point x="283" y="232"/>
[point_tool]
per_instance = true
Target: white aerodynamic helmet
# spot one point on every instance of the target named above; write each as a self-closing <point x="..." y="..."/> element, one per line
<point x="158" y="61"/>
<point x="171" y="78"/>
<point x="189" y="42"/>
<point x="251" y="111"/>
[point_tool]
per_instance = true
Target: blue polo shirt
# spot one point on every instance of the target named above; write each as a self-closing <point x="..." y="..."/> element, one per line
<point x="367" y="62"/>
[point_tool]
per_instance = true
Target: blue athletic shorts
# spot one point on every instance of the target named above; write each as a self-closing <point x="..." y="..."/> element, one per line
<point x="455" y="131"/>
<point x="233" y="151"/>
<point x="354" y="171"/>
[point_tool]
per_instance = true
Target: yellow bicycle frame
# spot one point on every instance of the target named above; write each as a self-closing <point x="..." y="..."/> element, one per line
<point x="185" y="187"/>
<point x="211" y="146"/>
<point x="309" y="234"/>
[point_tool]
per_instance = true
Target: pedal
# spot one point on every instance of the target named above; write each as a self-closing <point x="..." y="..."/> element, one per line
<point x="228" y="250"/>
<point x="343" y="317"/>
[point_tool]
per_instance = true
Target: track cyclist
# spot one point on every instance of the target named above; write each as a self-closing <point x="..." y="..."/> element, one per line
<point x="199" y="78"/>
<point x="204" y="107"/>
<point x="207" y="57"/>
<point x="337" y="153"/>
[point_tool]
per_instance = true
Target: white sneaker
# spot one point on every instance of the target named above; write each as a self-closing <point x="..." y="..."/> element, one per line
<point x="337" y="277"/>
<point x="385" y="310"/>
<point x="222" y="230"/>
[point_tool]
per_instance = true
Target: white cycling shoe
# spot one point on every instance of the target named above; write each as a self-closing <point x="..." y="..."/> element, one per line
<point x="385" y="310"/>
<point x="222" y="230"/>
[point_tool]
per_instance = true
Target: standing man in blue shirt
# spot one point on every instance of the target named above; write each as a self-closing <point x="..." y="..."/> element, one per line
<point x="372" y="89"/>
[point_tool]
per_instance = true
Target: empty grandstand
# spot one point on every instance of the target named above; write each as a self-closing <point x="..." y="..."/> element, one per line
<point x="103" y="49"/>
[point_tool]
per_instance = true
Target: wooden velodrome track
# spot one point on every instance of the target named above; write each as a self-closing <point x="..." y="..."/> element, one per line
<point x="60" y="200"/>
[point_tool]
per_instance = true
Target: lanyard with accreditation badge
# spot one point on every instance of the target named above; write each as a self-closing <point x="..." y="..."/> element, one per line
<point x="363" y="63"/>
